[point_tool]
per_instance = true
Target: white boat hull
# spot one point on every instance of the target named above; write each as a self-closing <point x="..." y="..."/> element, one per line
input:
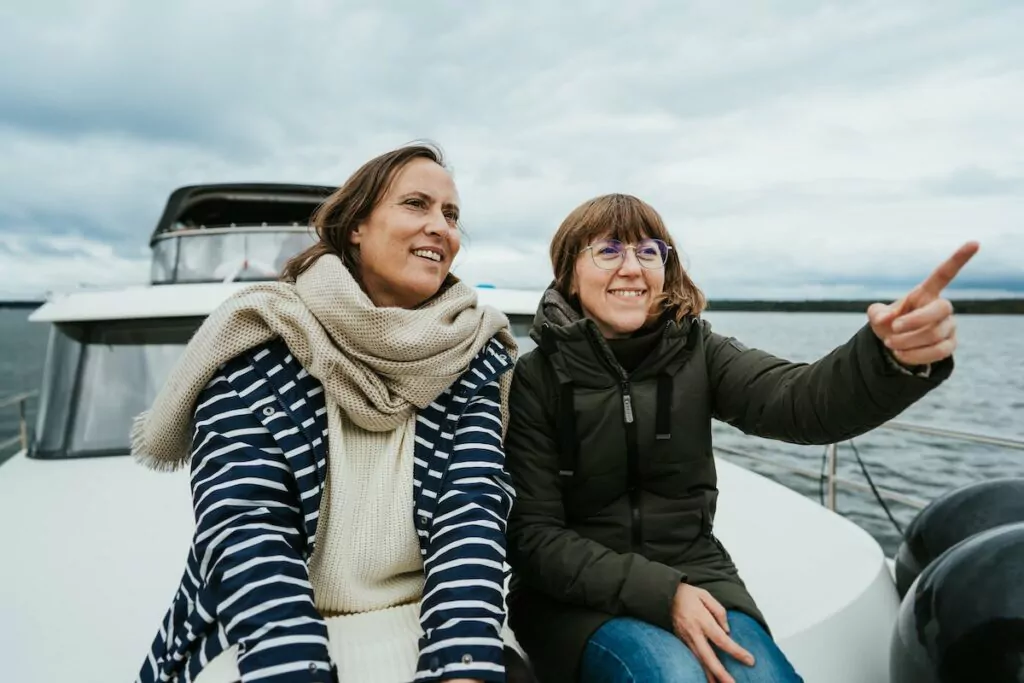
<point x="94" y="550"/>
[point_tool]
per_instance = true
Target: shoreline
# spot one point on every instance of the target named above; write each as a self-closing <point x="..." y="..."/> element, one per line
<point x="962" y="306"/>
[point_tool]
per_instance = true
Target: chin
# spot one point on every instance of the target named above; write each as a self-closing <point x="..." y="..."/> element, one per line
<point x="425" y="288"/>
<point x="629" y="326"/>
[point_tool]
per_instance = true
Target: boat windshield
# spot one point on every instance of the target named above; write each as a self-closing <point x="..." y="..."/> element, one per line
<point x="217" y="255"/>
<point x="100" y="375"/>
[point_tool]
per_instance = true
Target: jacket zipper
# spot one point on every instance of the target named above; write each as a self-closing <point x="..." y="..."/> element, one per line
<point x="633" y="462"/>
<point x="632" y="445"/>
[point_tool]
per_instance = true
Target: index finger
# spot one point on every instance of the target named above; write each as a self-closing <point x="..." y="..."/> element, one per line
<point x="944" y="274"/>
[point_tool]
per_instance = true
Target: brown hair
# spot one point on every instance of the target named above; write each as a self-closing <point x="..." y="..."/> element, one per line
<point x="351" y="204"/>
<point x="628" y="219"/>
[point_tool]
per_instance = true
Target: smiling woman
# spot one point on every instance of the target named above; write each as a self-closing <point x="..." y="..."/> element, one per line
<point x="347" y="465"/>
<point x="398" y="233"/>
<point x="618" y="574"/>
<point x="619" y="292"/>
<point x="409" y="242"/>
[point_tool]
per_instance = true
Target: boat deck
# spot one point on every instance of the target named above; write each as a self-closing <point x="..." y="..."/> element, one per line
<point x="109" y="547"/>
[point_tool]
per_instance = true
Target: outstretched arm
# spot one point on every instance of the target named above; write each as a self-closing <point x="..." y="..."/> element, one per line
<point x="903" y="352"/>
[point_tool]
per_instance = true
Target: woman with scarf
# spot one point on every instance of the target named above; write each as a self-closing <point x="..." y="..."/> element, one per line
<point x="343" y="428"/>
<point x="618" y="575"/>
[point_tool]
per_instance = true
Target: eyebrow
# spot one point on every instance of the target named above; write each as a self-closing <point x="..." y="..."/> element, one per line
<point x="423" y="195"/>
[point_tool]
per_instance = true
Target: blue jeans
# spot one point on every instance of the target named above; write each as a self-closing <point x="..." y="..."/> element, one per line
<point x="627" y="650"/>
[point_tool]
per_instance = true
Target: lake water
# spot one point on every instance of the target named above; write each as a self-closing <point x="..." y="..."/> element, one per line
<point x="985" y="394"/>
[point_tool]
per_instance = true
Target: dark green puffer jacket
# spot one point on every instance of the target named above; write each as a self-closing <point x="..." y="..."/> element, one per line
<point x="615" y="476"/>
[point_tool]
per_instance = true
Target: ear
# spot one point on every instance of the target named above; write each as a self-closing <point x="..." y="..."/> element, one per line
<point x="356" y="236"/>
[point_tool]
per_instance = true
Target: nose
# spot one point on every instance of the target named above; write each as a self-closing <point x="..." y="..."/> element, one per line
<point x="437" y="223"/>
<point x="630" y="263"/>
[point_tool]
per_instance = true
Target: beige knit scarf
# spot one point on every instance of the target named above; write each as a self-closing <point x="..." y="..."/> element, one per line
<point x="377" y="364"/>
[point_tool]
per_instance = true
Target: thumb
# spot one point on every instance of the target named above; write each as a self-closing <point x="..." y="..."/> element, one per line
<point x="880" y="314"/>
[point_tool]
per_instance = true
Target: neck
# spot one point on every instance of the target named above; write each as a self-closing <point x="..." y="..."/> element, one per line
<point x="386" y="297"/>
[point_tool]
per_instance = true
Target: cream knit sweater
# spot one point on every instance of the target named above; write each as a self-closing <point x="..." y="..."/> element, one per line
<point x="367" y="555"/>
<point x="367" y="573"/>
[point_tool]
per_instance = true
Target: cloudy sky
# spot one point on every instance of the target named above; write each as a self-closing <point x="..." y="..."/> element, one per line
<point x="798" y="148"/>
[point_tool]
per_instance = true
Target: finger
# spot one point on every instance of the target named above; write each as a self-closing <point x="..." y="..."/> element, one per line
<point x="948" y="269"/>
<point x="728" y="645"/>
<point x="923" y="317"/>
<point x="928" y="354"/>
<point x="707" y="672"/>
<point x="904" y="305"/>
<point x="927" y="336"/>
<point x="716" y="609"/>
<point x="709" y="660"/>
<point x="881" y="315"/>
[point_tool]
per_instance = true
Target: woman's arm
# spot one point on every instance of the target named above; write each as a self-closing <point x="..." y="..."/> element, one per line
<point x="545" y="554"/>
<point x="857" y="387"/>
<point x="250" y="542"/>
<point x="852" y="390"/>
<point x="463" y="609"/>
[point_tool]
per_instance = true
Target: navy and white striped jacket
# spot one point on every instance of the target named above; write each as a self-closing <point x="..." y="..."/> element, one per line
<point x="258" y="466"/>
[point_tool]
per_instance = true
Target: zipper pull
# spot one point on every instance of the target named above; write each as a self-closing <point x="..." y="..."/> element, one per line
<point x="627" y="403"/>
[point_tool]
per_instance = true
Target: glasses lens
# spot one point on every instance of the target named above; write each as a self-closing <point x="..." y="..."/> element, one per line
<point x="607" y="253"/>
<point x="652" y="253"/>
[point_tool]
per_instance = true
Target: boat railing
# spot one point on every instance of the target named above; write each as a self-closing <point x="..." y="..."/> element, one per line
<point x="833" y="481"/>
<point x="21" y="401"/>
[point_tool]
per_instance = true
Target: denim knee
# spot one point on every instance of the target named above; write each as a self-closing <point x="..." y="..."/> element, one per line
<point x="770" y="663"/>
<point x="627" y="650"/>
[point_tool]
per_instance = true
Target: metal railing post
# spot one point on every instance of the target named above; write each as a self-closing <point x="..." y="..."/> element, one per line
<point x="23" y="423"/>
<point x="833" y="451"/>
<point x="21" y="401"/>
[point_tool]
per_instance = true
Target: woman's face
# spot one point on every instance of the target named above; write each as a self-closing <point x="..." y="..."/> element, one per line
<point x="408" y="243"/>
<point x="617" y="295"/>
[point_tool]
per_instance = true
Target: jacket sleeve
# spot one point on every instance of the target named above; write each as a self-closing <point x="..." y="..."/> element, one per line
<point x="463" y="612"/>
<point x="553" y="559"/>
<point x="249" y="547"/>
<point x="850" y="391"/>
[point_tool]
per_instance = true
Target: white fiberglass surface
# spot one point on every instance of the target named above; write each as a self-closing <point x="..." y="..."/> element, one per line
<point x="96" y="546"/>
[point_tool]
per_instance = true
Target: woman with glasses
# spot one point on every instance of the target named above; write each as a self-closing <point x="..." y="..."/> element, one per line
<point x="617" y="573"/>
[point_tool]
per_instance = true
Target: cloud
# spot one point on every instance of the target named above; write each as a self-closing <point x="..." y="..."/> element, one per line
<point x="972" y="181"/>
<point x="34" y="266"/>
<point x="812" y="147"/>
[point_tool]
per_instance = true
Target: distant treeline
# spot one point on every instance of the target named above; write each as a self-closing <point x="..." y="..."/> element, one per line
<point x="962" y="306"/>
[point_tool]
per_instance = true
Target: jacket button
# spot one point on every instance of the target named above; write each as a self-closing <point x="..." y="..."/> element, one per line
<point x="467" y="659"/>
<point x="268" y="411"/>
<point x="423" y="520"/>
<point x="313" y="667"/>
<point x="435" y="663"/>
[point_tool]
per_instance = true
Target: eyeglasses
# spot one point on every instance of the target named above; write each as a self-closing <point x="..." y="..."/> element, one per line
<point x="610" y="254"/>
